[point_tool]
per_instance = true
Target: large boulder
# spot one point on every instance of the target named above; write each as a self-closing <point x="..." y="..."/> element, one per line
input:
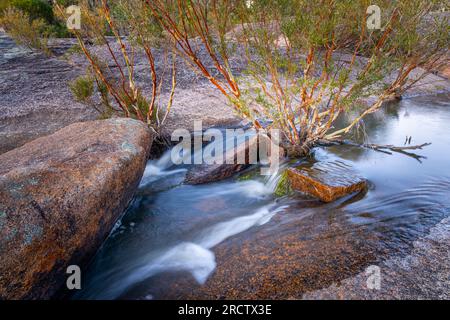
<point x="60" y="196"/>
<point x="326" y="180"/>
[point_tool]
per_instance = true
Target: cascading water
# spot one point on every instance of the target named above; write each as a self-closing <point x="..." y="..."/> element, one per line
<point x="233" y="239"/>
<point x="156" y="169"/>
<point x="194" y="256"/>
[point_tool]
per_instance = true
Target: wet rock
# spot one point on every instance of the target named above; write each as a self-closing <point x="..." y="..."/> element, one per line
<point x="306" y="247"/>
<point x="422" y="274"/>
<point x="60" y="196"/>
<point x="243" y="156"/>
<point x="206" y="173"/>
<point x="327" y="181"/>
<point x="212" y="173"/>
<point x="35" y="99"/>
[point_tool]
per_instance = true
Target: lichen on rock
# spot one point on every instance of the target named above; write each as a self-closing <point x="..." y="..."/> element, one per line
<point x="60" y="197"/>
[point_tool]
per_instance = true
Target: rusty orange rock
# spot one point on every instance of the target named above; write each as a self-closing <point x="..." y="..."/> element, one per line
<point x="60" y="196"/>
<point x="327" y="181"/>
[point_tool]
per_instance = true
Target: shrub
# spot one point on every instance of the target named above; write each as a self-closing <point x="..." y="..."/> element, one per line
<point x="308" y="61"/>
<point x="39" y="10"/>
<point x="131" y="18"/>
<point x="3" y="5"/>
<point x="35" y="9"/>
<point x="24" y="30"/>
<point x="82" y="88"/>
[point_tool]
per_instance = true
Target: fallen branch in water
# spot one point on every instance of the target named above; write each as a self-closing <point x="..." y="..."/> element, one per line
<point x="388" y="149"/>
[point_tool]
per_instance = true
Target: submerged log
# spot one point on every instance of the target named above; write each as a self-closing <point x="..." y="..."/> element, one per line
<point x="327" y="181"/>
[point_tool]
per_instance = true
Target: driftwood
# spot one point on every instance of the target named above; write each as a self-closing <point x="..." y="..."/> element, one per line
<point x="388" y="149"/>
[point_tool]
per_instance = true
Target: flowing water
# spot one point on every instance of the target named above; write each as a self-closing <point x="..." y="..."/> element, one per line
<point x="234" y="239"/>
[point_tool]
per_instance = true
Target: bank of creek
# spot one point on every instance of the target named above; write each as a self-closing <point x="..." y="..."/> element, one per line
<point x="235" y="239"/>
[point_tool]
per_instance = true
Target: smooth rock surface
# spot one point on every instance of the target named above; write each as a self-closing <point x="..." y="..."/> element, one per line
<point x="35" y="99"/>
<point x="327" y="181"/>
<point x="424" y="274"/>
<point x="60" y="196"/>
